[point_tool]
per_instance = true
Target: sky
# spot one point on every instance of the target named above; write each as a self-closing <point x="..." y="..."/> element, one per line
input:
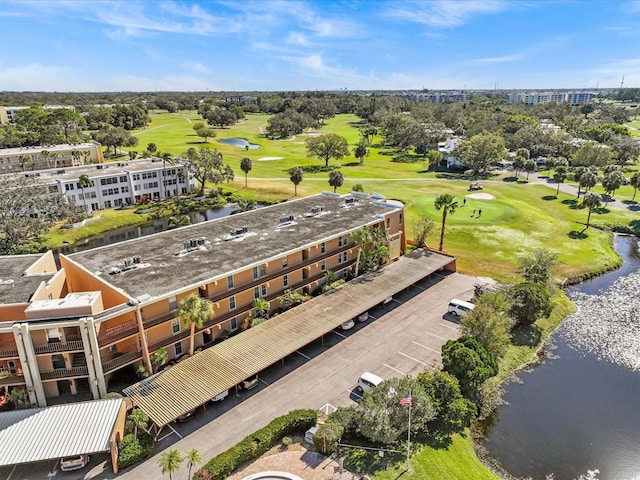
<point x="277" y="45"/>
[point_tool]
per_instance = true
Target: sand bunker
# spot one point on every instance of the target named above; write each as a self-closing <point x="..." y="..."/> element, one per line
<point x="481" y="196"/>
<point x="268" y="159"/>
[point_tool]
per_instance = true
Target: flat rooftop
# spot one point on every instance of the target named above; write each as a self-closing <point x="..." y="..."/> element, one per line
<point x="165" y="266"/>
<point x="95" y="170"/>
<point x="15" y="286"/>
<point x="62" y="147"/>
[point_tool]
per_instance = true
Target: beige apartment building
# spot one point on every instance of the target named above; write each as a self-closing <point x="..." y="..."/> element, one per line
<point x="71" y="323"/>
<point x="21" y="159"/>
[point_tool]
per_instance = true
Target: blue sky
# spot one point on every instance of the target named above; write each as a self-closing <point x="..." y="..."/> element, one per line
<point x="318" y="45"/>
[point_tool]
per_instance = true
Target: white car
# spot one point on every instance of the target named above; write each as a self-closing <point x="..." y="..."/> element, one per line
<point x="77" y="462"/>
<point x="348" y="325"/>
<point x="220" y="396"/>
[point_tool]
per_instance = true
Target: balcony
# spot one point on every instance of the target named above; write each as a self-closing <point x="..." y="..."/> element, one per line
<point x="152" y="322"/>
<point x="118" y="332"/>
<point x="8" y="350"/>
<point x="64" y="373"/>
<point x="71" y="343"/>
<point x="12" y="380"/>
<point x="120" y="361"/>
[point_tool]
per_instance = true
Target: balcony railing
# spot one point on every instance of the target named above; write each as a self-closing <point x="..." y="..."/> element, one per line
<point x="8" y="350"/>
<point x="15" y="379"/>
<point x="120" y="361"/>
<point x="71" y="344"/>
<point x="64" y="373"/>
<point x="118" y="332"/>
<point x="152" y="322"/>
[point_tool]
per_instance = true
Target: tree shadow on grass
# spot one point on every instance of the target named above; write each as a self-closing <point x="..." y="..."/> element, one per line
<point x="547" y="198"/>
<point x="575" y="235"/>
<point x="352" y="164"/>
<point x="526" y="336"/>
<point x="600" y="210"/>
<point x="629" y="202"/>
<point x="510" y="179"/>
<point x="573" y="204"/>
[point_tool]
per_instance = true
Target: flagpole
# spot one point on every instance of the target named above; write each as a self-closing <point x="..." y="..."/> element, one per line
<point x="409" y="434"/>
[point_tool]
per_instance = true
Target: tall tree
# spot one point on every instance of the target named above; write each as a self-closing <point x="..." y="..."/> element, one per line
<point x="422" y="229"/>
<point x="481" y="150"/>
<point x="336" y="179"/>
<point x="361" y="151"/>
<point x="193" y="457"/>
<point x="559" y="176"/>
<point x="137" y="419"/>
<point x="447" y="203"/>
<point x="194" y="311"/>
<point x="529" y="302"/>
<point x="84" y="181"/>
<point x="529" y="166"/>
<point x="170" y="461"/>
<point x="611" y="182"/>
<point x="589" y="179"/>
<point x="591" y="201"/>
<point x="327" y="147"/>
<point x="634" y="181"/>
<point x="296" y="175"/>
<point x="536" y="266"/>
<point x="206" y="166"/>
<point x="246" y="165"/>
<point x="152" y="147"/>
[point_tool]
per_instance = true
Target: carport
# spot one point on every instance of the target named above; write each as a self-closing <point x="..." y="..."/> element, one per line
<point x="191" y="383"/>
<point x="51" y="433"/>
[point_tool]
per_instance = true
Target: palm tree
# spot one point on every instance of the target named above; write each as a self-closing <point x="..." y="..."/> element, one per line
<point x="634" y="181"/>
<point x="166" y="158"/>
<point x="529" y="166"/>
<point x="159" y="358"/>
<point x="137" y="419"/>
<point x="559" y="176"/>
<point x="46" y="155"/>
<point x="55" y="156"/>
<point x="193" y="457"/>
<point x="360" y="237"/>
<point x="336" y="179"/>
<point x="194" y="311"/>
<point x="170" y="461"/>
<point x="262" y="308"/>
<point x="578" y="172"/>
<point x="19" y="397"/>
<point x="591" y="200"/>
<point x="296" y="175"/>
<point x="246" y="165"/>
<point x="611" y="182"/>
<point x="589" y="180"/>
<point x="83" y="182"/>
<point x="446" y="203"/>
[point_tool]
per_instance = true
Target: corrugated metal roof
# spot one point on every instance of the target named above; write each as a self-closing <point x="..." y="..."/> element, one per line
<point x="49" y="433"/>
<point x="192" y="382"/>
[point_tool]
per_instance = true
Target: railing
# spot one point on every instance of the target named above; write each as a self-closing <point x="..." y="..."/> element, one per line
<point x="116" y="333"/>
<point x="120" y="361"/>
<point x="65" y="346"/>
<point x="8" y="350"/>
<point x="64" y="373"/>
<point x="170" y="340"/>
<point x="152" y="322"/>
<point x="15" y="379"/>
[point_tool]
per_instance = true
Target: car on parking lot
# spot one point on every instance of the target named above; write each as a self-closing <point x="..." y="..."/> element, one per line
<point x="475" y="186"/>
<point x="220" y="396"/>
<point x="186" y="416"/>
<point x="348" y="325"/>
<point x="363" y="317"/>
<point x="368" y="380"/>
<point x="249" y="383"/>
<point x="68" y="464"/>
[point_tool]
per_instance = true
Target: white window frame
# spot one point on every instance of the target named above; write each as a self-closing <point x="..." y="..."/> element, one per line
<point x="256" y="293"/>
<point x="264" y="291"/>
<point x="232" y="302"/>
<point x="323" y="247"/>
<point x="285" y="262"/>
<point x="230" y="282"/>
<point x="175" y="326"/>
<point x="285" y="281"/>
<point x="173" y="303"/>
<point x="233" y="324"/>
<point x="177" y="348"/>
<point x="323" y="266"/>
<point x="255" y="273"/>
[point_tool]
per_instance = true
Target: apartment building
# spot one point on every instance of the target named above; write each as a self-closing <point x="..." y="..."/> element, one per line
<point x="118" y="184"/>
<point x="72" y="324"/>
<point x="8" y="114"/>
<point x="21" y="159"/>
<point x="533" y="98"/>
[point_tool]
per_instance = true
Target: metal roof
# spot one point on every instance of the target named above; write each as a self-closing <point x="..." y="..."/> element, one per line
<point x="39" y="434"/>
<point x="192" y="382"/>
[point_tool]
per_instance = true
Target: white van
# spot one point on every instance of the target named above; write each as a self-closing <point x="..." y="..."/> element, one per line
<point x="460" y="307"/>
<point x="368" y="380"/>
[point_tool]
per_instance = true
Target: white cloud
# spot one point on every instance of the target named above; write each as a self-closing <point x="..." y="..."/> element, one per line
<point x="445" y="13"/>
<point x="501" y="59"/>
<point x="297" y="38"/>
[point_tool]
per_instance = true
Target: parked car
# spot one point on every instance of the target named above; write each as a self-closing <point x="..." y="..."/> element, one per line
<point x="220" y="396"/>
<point x="459" y="307"/>
<point x="368" y="380"/>
<point x="249" y="383"/>
<point x="77" y="462"/>
<point x="475" y="186"/>
<point x="363" y="317"/>
<point x="185" y="416"/>
<point x="348" y="325"/>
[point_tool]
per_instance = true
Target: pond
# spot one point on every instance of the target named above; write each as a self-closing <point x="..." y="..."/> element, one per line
<point x="239" y="142"/>
<point x="579" y="409"/>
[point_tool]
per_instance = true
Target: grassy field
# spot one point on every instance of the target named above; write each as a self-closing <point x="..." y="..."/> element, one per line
<point x="634" y="128"/>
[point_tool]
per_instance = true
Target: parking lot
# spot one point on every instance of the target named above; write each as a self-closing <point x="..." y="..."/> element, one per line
<point x="402" y="337"/>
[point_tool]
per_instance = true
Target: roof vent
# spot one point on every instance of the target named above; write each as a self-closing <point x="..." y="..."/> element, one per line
<point x="316" y="211"/>
<point x="237" y="234"/>
<point x="192" y="245"/>
<point x="349" y="202"/>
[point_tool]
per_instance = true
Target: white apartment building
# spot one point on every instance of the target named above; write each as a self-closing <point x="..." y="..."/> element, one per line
<point x="20" y="159"/>
<point x="117" y="184"/>
<point x="533" y="98"/>
<point x="8" y="114"/>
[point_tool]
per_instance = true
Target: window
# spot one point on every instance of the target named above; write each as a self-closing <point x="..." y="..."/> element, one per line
<point x="233" y="324"/>
<point x="285" y="262"/>
<point x="263" y="270"/>
<point x="232" y="303"/>
<point x="230" y="281"/>
<point x="342" y="257"/>
<point x="285" y="281"/>
<point x="264" y="290"/>
<point x="323" y="247"/>
<point x="256" y="292"/>
<point x="175" y="326"/>
<point x="388" y="222"/>
<point x="173" y="303"/>
<point x="400" y="218"/>
<point x="255" y="273"/>
<point x="323" y="265"/>
<point x="178" y="348"/>
<point x="343" y="240"/>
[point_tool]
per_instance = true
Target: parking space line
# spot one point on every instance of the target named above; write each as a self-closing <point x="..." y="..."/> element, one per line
<point x="394" y="369"/>
<point x="448" y="326"/>
<point x="267" y="384"/>
<point x="168" y="434"/>
<point x="437" y="336"/>
<point x="424" y="346"/>
<point x="339" y="334"/>
<point x="397" y="301"/>
<point x="411" y="358"/>
<point x="418" y="286"/>
<point x="371" y="316"/>
<point x="303" y="355"/>
<point x="11" y="474"/>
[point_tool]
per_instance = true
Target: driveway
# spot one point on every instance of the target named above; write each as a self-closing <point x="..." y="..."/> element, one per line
<point x="403" y="337"/>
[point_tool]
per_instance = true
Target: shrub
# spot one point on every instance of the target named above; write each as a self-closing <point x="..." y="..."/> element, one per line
<point x="296" y="421"/>
<point x="132" y="450"/>
<point x="326" y="438"/>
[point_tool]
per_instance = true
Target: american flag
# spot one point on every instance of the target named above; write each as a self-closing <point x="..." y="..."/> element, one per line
<point x="407" y="400"/>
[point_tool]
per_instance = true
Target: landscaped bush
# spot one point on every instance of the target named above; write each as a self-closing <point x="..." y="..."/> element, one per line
<point x="132" y="450"/>
<point x="296" y="421"/>
<point x="327" y="437"/>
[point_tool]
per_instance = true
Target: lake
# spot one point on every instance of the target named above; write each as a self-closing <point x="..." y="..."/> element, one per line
<point x="579" y="409"/>
<point x="239" y="142"/>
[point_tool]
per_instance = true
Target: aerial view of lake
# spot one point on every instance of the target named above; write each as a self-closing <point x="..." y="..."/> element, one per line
<point x="239" y="142"/>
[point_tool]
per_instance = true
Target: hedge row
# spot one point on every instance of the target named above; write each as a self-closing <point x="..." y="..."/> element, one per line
<point x="132" y="450"/>
<point x="259" y="442"/>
